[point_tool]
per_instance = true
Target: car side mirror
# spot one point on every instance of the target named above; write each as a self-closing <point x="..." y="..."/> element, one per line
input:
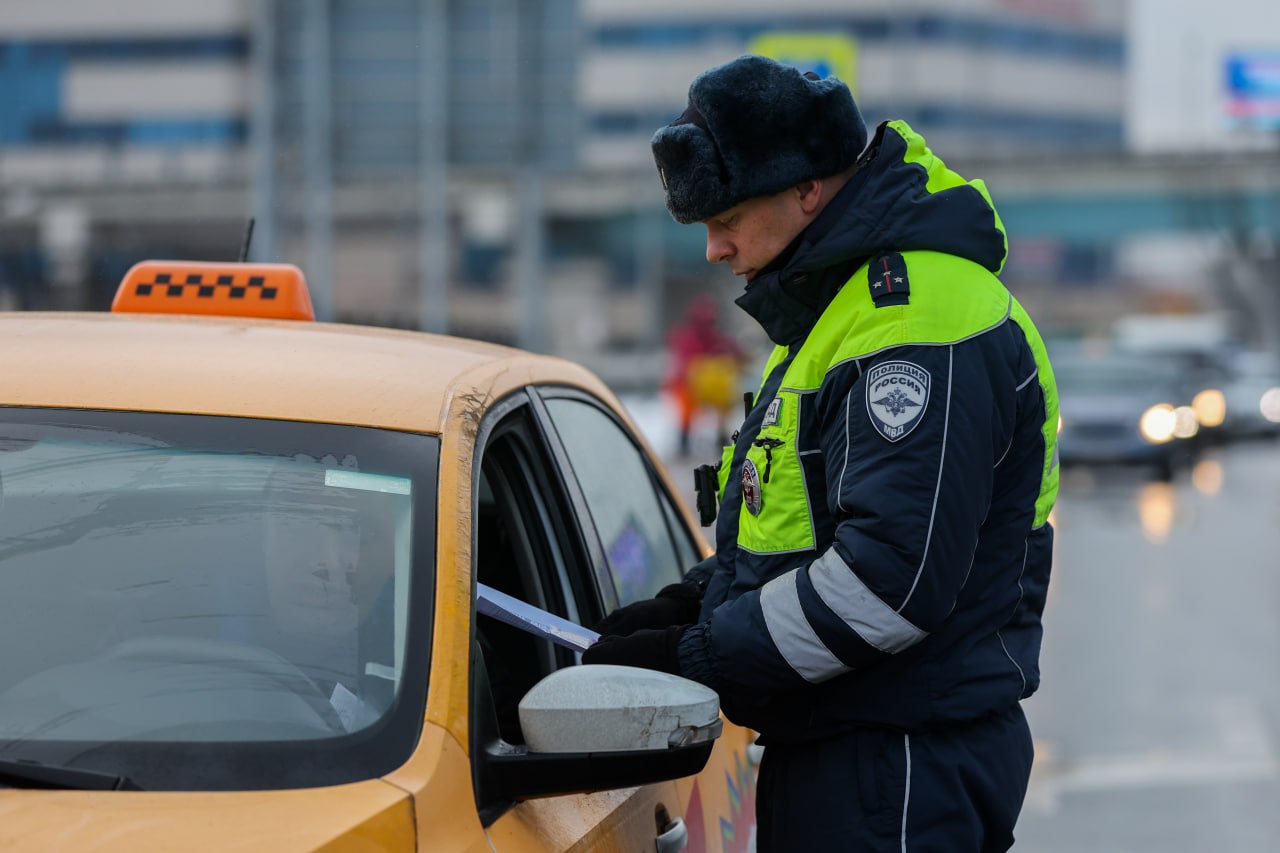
<point x="597" y="727"/>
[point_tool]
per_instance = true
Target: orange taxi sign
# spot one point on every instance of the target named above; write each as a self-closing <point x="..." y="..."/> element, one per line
<point x="272" y="291"/>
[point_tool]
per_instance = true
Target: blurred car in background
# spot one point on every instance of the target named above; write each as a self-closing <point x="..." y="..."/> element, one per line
<point x="1198" y="347"/>
<point x="239" y="554"/>
<point x="1252" y="395"/>
<point x="1124" y="409"/>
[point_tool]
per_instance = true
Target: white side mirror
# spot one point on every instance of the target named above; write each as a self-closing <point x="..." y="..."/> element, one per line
<point x="600" y="708"/>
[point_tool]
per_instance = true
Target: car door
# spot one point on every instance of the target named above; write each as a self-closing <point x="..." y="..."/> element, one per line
<point x="530" y="543"/>
<point x="639" y="541"/>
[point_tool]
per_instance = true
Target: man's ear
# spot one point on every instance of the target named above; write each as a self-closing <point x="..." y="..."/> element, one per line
<point x="809" y="194"/>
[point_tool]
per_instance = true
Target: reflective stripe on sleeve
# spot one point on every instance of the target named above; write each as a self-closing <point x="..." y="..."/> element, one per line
<point x="793" y="635"/>
<point x="850" y="599"/>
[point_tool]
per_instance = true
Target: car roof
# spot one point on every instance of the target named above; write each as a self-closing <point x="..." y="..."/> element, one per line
<point x="277" y="369"/>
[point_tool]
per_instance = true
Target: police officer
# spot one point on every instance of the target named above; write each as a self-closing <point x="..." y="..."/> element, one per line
<point x="874" y="604"/>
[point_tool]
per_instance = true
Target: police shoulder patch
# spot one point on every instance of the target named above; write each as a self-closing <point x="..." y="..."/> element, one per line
<point x="897" y="394"/>
<point x="752" y="497"/>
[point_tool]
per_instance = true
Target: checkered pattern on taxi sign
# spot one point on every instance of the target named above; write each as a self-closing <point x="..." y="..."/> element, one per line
<point x="249" y="285"/>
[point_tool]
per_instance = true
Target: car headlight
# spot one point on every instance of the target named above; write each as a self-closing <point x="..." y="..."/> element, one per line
<point x="1158" y="423"/>
<point x="1269" y="405"/>
<point x="1210" y="406"/>
<point x="1185" y="422"/>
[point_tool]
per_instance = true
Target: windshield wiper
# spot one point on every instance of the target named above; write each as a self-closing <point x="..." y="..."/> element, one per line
<point x="24" y="773"/>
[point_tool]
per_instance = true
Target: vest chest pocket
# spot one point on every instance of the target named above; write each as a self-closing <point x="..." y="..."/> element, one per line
<point x="726" y="465"/>
<point x="775" y="514"/>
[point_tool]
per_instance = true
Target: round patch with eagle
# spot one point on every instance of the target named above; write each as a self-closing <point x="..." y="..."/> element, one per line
<point x="752" y="496"/>
<point x="897" y="393"/>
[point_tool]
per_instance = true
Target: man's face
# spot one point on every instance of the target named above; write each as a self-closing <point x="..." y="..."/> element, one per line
<point x="750" y="235"/>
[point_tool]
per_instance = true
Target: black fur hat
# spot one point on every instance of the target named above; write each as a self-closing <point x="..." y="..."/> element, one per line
<point x="754" y="127"/>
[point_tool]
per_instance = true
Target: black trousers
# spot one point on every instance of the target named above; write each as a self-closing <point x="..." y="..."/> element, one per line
<point x="957" y="789"/>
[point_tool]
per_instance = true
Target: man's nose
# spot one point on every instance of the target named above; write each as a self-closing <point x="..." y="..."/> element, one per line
<point x="719" y="249"/>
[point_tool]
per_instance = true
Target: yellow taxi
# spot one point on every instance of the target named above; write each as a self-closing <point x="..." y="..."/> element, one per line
<point x="239" y="554"/>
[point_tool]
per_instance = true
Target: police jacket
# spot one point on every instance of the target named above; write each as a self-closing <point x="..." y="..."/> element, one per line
<point x="883" y="546"/>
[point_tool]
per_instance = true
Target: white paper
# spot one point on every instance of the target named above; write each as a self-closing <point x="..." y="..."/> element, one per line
<point x="352" y="710"/>
<point x="536" y="621"/>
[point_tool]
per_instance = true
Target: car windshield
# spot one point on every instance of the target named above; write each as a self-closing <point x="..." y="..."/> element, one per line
<point x="212" y="603"/>
<point x="1112" y="375"/>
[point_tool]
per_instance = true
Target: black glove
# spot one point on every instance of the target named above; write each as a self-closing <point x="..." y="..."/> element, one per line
<point x="677" y="604"/>
<point x="648" y="648"/>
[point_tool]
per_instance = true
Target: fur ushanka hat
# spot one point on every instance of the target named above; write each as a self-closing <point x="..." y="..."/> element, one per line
<point x="754" y="127"/>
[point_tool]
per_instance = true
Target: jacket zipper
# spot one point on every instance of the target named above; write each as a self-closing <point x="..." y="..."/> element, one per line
<point x="769" y="444"/>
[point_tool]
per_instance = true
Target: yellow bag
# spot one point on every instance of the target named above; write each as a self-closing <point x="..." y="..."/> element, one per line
<point x="713" y="380"/>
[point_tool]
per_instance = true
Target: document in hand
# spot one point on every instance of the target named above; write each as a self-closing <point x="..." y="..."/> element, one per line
<point x="538" y="622"/>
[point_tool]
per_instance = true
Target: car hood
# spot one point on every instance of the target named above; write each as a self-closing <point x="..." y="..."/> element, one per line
<point x="374" y="814"/>
<point x="1076" y="407"/>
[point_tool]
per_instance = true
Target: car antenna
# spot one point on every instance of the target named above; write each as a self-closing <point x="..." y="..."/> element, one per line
<point x="248" y="238"/>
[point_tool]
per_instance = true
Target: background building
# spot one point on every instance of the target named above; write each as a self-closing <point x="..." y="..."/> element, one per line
<point x="482" y="167"/>
<point x="983" y="77"/>
<point x="122" y="131"/>
<point x="995" y="86"/>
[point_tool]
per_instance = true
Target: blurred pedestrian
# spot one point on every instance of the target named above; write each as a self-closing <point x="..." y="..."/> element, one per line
<point x="703" y="367"/>
<point x="874" y="604"/>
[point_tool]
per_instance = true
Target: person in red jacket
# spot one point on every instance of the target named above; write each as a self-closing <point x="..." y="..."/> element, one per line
<point x="704" y="366"/>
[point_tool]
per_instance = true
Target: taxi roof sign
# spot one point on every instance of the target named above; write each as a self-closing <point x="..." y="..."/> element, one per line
<point x="270" y="291"/>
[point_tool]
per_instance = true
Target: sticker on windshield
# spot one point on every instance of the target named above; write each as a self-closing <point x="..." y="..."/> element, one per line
<point x="897" y="393"/>
<point x="367" y="482"/>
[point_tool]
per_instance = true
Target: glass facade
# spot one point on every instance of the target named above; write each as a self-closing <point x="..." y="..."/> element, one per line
<point x="510" y="68"/>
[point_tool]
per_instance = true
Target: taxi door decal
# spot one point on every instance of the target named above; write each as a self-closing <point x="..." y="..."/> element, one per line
<point x="735" y="831"/>
<point x="695" y="821"/>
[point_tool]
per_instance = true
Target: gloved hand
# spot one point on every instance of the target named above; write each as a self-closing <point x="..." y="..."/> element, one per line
<point x="649" y="648"/>
<point x="677" y="604"/>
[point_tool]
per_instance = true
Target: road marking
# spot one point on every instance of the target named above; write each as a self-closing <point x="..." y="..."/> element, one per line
<point x="1244" y="754"/>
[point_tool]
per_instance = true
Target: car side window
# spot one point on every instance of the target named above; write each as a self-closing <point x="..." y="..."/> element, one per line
<point x="645" y="547"/>
<point x="519" y="550"/>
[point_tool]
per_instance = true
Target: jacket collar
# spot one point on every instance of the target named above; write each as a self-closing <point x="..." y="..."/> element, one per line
<point x="901" y="198"/>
